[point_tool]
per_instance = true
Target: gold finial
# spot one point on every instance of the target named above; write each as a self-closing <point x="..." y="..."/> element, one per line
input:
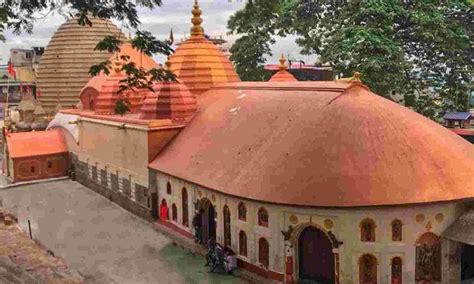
<point x="282" y="63"/>
<point x="196" y="30"/>
<point x="356" y="77"/>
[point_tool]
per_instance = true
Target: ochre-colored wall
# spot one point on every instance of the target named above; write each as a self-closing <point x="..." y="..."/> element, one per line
<point x="126" y="151"/>
<point x="158" y="139"/>
<point x="41" y="167"/>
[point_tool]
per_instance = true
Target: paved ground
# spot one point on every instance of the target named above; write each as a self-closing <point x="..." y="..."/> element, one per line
<point x="101" y="240"/>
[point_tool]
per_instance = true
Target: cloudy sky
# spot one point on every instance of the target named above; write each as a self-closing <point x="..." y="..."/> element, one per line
<point x="175" y="14"/>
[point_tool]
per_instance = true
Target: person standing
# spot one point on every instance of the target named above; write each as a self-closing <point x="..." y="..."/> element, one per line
<point x="197" y="224"/>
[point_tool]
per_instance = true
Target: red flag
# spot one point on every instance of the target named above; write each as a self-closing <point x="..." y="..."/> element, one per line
<point x="28" y="89"/>
<point x="21" y="90"/>
<point x="10" y="69"/>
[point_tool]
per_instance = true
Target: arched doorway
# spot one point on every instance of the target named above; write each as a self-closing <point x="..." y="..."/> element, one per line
<point x="428" y="258"/>
<point x="315" y="256"/>
<point x="184" y="204"/>
<point x="208" y="220"/>
<point x="227" y="234"/>
<point x="164" y="210"/>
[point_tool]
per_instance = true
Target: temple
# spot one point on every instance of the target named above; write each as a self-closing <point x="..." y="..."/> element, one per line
<point x="318" y="181"/>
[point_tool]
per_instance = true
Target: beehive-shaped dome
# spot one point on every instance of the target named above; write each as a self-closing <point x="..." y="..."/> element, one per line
<point x="198" y="62"/>
<point x="64" y="66"/>
<point x="90" y="92"/>
<point x="283" y="75"/>
<point x="170" y="100"/>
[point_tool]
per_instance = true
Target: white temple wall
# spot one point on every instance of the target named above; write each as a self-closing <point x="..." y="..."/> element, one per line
<point x="416" y="220"/>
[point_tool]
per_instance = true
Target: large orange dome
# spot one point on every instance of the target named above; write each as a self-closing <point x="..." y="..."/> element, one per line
<point x="318" y="144"/>
<point x="199" y="63"/>
<point x="64" y="67"/>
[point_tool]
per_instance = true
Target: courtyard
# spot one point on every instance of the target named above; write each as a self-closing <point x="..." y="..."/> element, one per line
<point x="105" y="243"/>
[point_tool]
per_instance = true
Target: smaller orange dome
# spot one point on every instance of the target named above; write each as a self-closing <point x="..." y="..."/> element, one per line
<point x="170" y="100"/>
<point x="283" y="75"/>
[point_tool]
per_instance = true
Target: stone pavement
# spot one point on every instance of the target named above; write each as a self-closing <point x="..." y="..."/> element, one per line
<point x="101" y="240"/>
<point x="23" y="260"/>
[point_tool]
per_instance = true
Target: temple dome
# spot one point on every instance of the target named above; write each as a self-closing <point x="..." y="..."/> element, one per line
<point x="171" y="100"/>
<point x="318" y="144"/>
<point x="90" y="92"/>
<point x="283" y="75"/>
<point x="64" y="66"/>
<point x="199" y="63"/>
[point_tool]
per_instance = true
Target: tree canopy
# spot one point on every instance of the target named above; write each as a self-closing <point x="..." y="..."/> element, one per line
<point x="409" y="47"/>
<point x="21" y="15"/>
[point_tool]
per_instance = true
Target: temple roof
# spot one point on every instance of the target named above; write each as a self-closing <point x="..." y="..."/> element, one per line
<point x="199" y="63"/>
<point x="170" y="100"/>
<point x="36" y="143"/>
<point x="283" y="75"/>
<point x="317" y="144"/>
<point x="64" y="66"/>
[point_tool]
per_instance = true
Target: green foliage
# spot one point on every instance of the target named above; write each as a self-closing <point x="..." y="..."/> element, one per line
<point x="109" y="43"/>
<point x="122" y="106"/>
<point x="416" y="47"/>
<point x="18" y="15"/>
<point x="101" y="67"/>
<point x="146" y="43"/>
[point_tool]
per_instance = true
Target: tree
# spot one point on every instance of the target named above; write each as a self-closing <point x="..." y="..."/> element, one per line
<point x="408" y="47"/>
<point x="20" y="16"/>
<point x="122" y="106"/>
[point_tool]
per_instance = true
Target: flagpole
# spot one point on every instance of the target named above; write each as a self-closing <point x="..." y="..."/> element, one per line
<point x="6" y="104"/>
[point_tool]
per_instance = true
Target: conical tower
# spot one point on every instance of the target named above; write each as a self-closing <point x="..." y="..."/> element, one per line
<point x="199" y="63"/>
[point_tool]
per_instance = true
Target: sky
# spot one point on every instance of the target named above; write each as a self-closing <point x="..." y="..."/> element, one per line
<point x="175" y="14"/>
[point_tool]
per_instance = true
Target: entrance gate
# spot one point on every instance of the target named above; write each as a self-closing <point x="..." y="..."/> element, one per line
<point x="315" y="256"/>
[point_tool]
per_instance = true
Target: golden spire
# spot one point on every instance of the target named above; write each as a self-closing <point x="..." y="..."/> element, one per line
<point x="196" y="30"/>
<point x="356" y="77"/>
<point x="282" y="60"/>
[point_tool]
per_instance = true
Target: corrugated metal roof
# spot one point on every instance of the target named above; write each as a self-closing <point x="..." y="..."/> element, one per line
<point x="457" y="115"/>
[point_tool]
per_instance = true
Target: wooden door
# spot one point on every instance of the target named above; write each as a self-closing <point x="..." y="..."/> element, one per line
<point x="316" y="259"/>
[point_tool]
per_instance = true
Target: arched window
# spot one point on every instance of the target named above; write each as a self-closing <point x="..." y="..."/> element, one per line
<point x="227" y="234"/>
<point x="428" y="258"/>
<point x="367" y="230"/>
<point x="174" y="213"/>
<point x="184" y="205"/>
<point x="396" y="230"/>
<point x="263" y="217"/>
<point x="242" y="243"/>
<point x="168" y="188"/>
<point x="263" y="252"/>
<point x="396" y="270"/>
<point x="242" y="212"/>
<point x="367" y="269"/>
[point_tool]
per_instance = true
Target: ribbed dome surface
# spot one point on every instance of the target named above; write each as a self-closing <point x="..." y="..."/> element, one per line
<point x="170" y="100"/>
<point x="66" y="61"/>
<point x="199" y="63"/>
<point x="108" y="94"/>
<point x="283" y="76"/>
